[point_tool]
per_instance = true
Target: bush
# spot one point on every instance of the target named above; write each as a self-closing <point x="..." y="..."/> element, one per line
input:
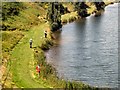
<point x="10" y="39"/>
<point x="10" y="9"/>
<point x="46" y="44"/>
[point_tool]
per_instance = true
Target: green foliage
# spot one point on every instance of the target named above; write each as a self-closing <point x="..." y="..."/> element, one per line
<point x="10" y="39"/>
<point x="27" y="15"/>
<point x="23" y="63"/>
<point x="46" y="44"/>
<point x="10" y="9"/>
<point x="48" y="73"/>
<point x="100" y="5"/>
<point x="54" y="26"/>
<point x="43" y="4"/>
<point x="24" y="59"/>
<point x="54" y="13"/>
<point x="81" y="9"/>
<point x="46" y="69"/>
<point x="39" y="55"/>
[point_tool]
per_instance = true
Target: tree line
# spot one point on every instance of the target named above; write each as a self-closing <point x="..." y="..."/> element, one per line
<point x="54" y="12"/>
<point x="56" y="9"/>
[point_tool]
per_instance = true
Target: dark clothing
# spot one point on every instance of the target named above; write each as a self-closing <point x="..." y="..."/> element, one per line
<point x="45" y="35"/>
<point x="45" y="32"/>
<point x="30" y="44"/>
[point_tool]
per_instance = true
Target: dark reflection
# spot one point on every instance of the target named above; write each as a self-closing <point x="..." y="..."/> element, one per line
<point x="87" y="50"/>
<point x="80" y="24"/>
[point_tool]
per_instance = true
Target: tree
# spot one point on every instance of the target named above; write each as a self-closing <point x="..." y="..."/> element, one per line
<point x="100" y="5"/>
<point x="81" y="9"/>
<point x="10" y="9"/>
<point x="55" y="10"/>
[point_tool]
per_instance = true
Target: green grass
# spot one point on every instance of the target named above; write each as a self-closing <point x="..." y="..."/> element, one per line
<point x="69" y="6"/>
<point x="23" y="60"/>
<point x="26" y="18"/>
<point x="22" y="57"/>
<point x="0" y="48"/>
<point x="67" y="17"/>
<point x="48" y="74"/>
<point x="19" y="52"/>
<point x="9" y="40"/>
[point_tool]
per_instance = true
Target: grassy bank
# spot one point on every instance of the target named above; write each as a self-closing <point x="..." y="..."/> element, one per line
<point x="17" y="18"/>
<point x="21" y="60"/>
<point x="72" y="16"/>
<point x="48" y="74"/>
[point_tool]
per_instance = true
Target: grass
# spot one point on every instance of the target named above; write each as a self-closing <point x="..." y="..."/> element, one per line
<point x="69" y="6"/>
<point x="9" y="40"/>
<point x="69" y="17"/>
<point x="22" y="23"/>
<point x="26" y="18"/>
<point x="0" y="48"/>
<point x="23" y="62"/>
<point x="22" y="58"/>
<point x="49" y="77"/>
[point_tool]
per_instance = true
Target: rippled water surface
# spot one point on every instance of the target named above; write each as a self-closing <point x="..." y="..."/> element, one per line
<point x="87" y="50"/>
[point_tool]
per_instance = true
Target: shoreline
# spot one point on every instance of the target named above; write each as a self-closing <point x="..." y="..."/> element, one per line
<point x="32" y="64"/>
<point x="99" y="13"/>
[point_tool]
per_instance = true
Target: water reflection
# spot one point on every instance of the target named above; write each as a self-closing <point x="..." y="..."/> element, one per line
<point x="87" y="50"/>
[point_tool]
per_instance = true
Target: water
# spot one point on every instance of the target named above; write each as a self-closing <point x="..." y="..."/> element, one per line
<point x="87" y="50"/>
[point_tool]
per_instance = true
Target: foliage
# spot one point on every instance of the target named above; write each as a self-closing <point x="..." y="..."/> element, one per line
<point x="46" y="69"/>
<point x="81" y="9"/>
<point x="27" y="15"/>
<point x="55" y="10"/>
<point x="46" y="44"/>
<point x="43" y="4"/>
<point x="99" y="5"/>
<point x="22" y="58"/>
<point x="9" y="40"/>
<point x="48" y="74"/>
<point x="10" y="9"/>
<point x="23" y="63"/>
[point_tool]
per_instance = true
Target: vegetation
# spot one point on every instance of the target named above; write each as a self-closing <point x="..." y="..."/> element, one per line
<point x="99" y="7"/>
<point x="55" y="10"/>
<point x="48" y="74"/>
<point x="69" y="17"/>
<point x="18" y="18"/>
<point x="9" y="41"/>
<point x="22" y="21"/>
<point x="81" y="8"/>
<point x="9" y="10"/>
<point x="15" y="17"/>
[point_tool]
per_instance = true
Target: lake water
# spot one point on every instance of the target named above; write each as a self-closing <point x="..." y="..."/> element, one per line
<point x="87" y="50"/>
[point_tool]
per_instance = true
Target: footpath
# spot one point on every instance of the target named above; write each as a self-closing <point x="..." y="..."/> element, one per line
<point x="22" y="60"/>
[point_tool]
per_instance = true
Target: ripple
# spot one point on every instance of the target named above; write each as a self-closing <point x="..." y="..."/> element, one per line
<point x="88" y="50"/>
<point x="87" y="58"/>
